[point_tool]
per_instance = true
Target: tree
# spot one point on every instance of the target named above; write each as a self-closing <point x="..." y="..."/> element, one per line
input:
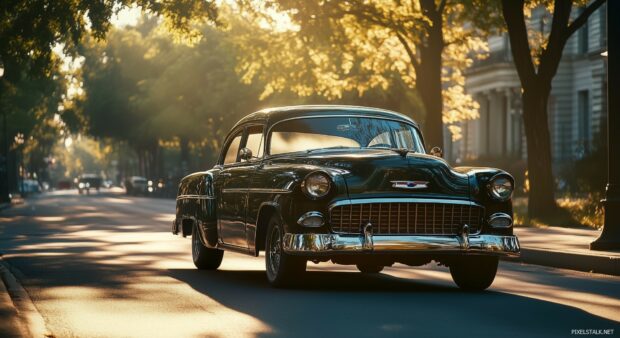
<point x="30" y="29"/>
<point x="536" y="69"/>
<point x="146" y="89"/>
<point x="334" y="46"/>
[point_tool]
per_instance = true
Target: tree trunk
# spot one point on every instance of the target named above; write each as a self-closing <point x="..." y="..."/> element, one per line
<point x="428" y="74"/>
<point x="539" y="161"/>
<point x="428" y="83"/>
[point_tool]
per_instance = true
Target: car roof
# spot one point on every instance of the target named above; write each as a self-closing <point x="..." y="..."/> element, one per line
<point x="273" y="115"/>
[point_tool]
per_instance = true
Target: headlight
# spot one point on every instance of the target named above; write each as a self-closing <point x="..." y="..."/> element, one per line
<point x="501" y="187"/>
<point x="81" y="185"/>
<point x="316" y="185"/>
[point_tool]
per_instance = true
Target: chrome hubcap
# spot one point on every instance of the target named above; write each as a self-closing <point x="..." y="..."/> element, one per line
<point x="275" y="250"/>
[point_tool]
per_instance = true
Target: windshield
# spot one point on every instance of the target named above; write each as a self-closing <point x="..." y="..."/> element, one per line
<point x="308" y="134"/>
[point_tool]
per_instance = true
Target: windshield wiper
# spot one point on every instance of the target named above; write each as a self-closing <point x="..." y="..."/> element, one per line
<point x="334" y="147"/>
<point x="400" y="151"/>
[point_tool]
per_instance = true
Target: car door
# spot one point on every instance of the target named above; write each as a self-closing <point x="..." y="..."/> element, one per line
<point x="235" y="179"/>
<point x="255" y="142"/>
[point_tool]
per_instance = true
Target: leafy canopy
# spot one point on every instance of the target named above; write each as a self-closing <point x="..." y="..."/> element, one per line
<point x="331" y="47"/>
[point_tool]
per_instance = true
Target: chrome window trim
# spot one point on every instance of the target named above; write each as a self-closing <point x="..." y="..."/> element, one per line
<point x="267" y="152"/>
<point x="199" y="197"/>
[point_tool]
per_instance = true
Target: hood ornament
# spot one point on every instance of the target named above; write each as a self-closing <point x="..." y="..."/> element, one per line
<point x="411" y="185"/>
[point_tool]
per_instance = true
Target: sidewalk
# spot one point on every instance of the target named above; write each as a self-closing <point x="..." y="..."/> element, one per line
<point x="567" y="248"/>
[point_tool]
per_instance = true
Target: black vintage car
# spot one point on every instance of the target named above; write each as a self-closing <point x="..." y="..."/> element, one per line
<point x="353" y="185"/>
<point x="88" y="181"/>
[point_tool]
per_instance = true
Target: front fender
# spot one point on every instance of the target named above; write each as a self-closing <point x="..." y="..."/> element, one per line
<point x="479" y="178"/>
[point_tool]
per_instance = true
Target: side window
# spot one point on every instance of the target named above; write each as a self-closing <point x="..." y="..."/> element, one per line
<point x="255" y="141"/>
<point x="233" y="149"/>
<point x="382" y="139"/>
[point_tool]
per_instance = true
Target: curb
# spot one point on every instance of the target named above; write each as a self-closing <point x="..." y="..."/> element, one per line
<point x="10" y="323"/>
<point x="570" y="260"/>
<point x="31" y="320"/>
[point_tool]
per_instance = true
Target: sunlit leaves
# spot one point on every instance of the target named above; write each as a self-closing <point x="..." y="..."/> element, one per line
<point x="357" y="45"/>
<point x="30" y="29"/>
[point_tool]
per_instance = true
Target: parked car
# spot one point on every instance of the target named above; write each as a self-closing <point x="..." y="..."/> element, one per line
<point x="353" y="185"/>
<point x="29" y="186"/>
<point x="86" y="182"/>
<point x="64" y="184"/>
<point x="136" y="185"/>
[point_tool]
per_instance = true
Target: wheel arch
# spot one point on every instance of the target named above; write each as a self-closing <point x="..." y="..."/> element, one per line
<point x="265" y="212"/>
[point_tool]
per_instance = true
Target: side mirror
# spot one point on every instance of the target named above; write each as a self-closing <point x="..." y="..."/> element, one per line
<point x="245" y="154"/>
<point x="436" y="151"/>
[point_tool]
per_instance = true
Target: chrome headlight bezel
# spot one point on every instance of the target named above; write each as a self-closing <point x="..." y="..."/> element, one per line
<point x="499" y="182"/>
<point x="308" y="187"/>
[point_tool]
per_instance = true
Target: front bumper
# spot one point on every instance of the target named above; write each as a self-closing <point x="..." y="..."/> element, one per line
<point x="329" y="244"/>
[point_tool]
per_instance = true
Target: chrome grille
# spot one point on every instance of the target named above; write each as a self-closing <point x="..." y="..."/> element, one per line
<point x="406" y="218"/>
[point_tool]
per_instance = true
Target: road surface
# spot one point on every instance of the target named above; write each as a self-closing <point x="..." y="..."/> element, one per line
<point x="106" y="265"/>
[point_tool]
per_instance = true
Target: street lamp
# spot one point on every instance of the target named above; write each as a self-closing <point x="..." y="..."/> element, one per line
<point x="610" y="237"/>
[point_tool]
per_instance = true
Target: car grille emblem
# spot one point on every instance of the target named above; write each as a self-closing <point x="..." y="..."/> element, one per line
<point x="412" y="185"/>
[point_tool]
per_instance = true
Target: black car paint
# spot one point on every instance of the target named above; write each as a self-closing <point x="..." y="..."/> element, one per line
<point x="229" y="203"/>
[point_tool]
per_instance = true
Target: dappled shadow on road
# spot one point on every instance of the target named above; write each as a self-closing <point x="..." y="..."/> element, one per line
<point x="352" y="304"/>
<point x="95" y="238"/>
<point x="106" y="259"/>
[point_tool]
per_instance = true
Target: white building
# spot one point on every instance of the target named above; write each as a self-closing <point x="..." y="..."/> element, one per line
<point x="577" y="104"/>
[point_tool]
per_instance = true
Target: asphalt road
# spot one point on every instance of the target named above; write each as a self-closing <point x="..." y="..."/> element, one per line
<point x="106" y="265"/>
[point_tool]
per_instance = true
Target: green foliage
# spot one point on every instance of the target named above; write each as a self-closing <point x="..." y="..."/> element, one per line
<point x="330" y="47"/>
<point x="144" y="87"/>
<point x="30" y="29"/>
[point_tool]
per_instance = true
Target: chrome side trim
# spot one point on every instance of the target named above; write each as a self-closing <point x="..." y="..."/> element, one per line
<point x="401" y="200"/>
<point x="197" y="197"/>
<point x="326" y="244"/>
<point x="257" y="190"/>
<point x="498" y="215"/>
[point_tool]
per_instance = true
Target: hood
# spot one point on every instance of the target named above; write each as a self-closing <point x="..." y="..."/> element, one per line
<point x="375" y="172"/>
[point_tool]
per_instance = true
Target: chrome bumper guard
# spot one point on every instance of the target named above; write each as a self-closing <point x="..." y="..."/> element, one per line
<point x="326" y="244"/>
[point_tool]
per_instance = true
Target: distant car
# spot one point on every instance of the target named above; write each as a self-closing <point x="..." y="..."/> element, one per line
<point x="63" y="184"/>
<point x="28" y="186"/>
<point x="136" y="185"/>
<point x="86" y="182"/>
<point x="108" y="184"/>
<point x="353" y="185"/>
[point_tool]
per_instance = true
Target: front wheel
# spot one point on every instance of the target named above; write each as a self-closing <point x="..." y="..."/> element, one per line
<point x="475" y="273"/>
<point x="204" y="258"/>
<point x="282" y="269"/>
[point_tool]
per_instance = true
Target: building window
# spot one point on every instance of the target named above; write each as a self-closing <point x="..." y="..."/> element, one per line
<point x="583" y="122"/>
<point x="582" y="43"/>
<point x="603" y="25"/>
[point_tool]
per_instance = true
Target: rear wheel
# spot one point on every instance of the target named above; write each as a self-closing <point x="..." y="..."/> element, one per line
<point x="204" y="258"/>
<point x="282" y="269"/>
<point x="474" y="273"/>
<point x="369" y="268"/>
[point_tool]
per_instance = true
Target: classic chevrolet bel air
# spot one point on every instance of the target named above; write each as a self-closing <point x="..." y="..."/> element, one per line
<point x="353" y="185"/>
